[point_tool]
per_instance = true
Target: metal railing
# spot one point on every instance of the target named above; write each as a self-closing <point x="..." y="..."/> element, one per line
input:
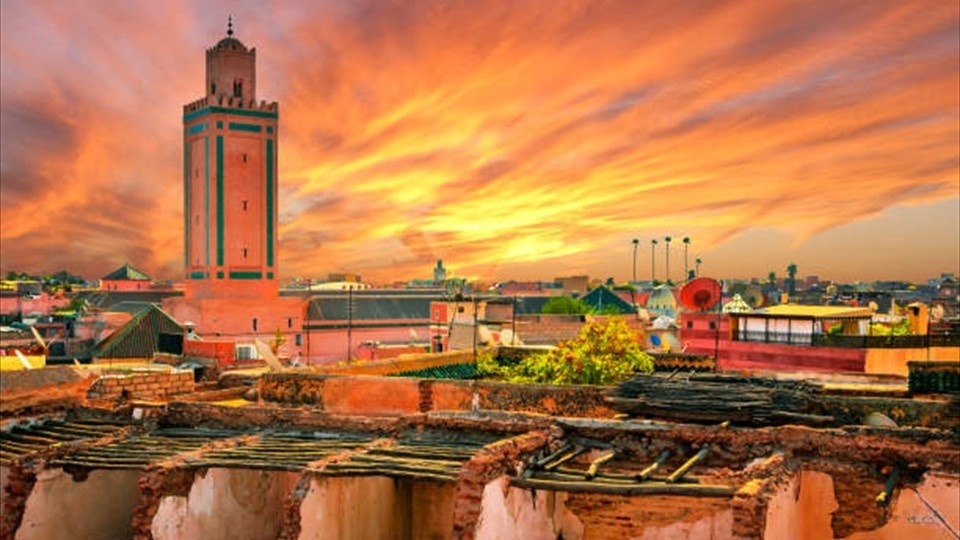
<point x="852" y="342"/>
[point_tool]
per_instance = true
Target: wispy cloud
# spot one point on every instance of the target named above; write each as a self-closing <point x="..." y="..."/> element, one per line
<point x="493" y="135"/>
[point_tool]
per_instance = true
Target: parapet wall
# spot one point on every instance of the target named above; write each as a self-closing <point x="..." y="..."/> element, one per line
<point x="142" y="385"/>
<point x="393" y="396"/>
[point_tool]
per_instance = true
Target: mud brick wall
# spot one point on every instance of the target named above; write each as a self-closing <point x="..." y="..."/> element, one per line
<point x="17" y="485"/>
<point x="142" y="385"/>
<point x="391" y="396"/>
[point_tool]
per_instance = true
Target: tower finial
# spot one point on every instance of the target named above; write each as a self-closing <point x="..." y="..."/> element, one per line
<point x="230" y="25"/>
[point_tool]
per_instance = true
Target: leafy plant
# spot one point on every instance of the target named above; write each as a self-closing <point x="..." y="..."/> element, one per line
<point x="603" y="353"/>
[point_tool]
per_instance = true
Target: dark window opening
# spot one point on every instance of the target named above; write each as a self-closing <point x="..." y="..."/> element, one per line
<point x="289" y="322"/>
<point x="238" y="88"/>
<point x="244" y="158"/>
<point x="213" y="87"/>
<point x="713" y="325"/>
<point x="244" y="202"/>
<point x="244" y="253"/>
<point x="254" y="324"/>
<point x="298" y="340"/>
<point x="689" y="324"/>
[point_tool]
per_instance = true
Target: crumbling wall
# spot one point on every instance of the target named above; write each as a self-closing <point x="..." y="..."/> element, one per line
<point x="930" y="509"/>
<point x="16" y="483"/>
<point x="489" y="463"/>
<point x="652" y="516"/>
<point x="142" y="385"/>
<point x="395" y="396"/>
<point x="98" y="506"/>
<point x="801" y="508"/>
<point x="225" y="504"/>
<point x="510" y="513"/>
<point x="351" y="507"/>
<point x="374" y="507"/>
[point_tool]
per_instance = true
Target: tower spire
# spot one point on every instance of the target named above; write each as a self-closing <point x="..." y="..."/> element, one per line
<point x="230" y="25"/>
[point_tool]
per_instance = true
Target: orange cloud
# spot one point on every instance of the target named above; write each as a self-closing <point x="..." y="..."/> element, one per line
<point x="509" y="139"/>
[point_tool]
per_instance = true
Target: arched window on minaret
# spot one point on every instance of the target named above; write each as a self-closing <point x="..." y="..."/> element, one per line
<point x="213" y="88"/>
<point x="238" y="88"/>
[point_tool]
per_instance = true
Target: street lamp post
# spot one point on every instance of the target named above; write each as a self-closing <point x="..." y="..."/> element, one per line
<point x="653" y="260"/>
<point x="636" y="244"/>
<point x="667" y="243"/>
<point x="686" y="258"/>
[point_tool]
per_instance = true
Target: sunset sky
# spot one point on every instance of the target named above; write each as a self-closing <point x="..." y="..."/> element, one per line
<point x="514" y="140"/>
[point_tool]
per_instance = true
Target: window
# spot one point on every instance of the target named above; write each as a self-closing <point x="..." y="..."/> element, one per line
<point x="213" y="87"/>
<point x="244" y="158"/>
<point x="244" y="203"/>
<point x="298" y="340"/>
<point x="245" y="256"/>
<point x="238" y="88"/>
<point x="689" y="325"/>
<point x="289" y="322"/>
<point x="713" y="325"/>
<point x="254" y="324"/>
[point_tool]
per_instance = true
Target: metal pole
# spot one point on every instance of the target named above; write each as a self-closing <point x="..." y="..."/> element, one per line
<point x="349" y="324"/>
<point x="513" y="323"/>
<point x="474" y="327"/>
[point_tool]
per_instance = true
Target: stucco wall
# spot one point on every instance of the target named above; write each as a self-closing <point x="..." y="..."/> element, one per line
<point x="350" y="507"/>
<point x="226" y="504"/>
<point x="100" y="506"/>
<point x="804" y="508"/>
<point x="376" y="507"/>
<point x="894" y="361"/>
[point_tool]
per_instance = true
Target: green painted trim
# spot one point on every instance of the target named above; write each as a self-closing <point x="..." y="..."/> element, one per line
<point x="206" y="199"/>
<point x="198" y="275"/>
<point x="269" y="129"/>
<point x="270" y="200"/>
<point x="269" y="275"/>
<point x="237" y="112"/>
<point x="219" y="125"/>
<point x="219" y="275"/>
<point x="186" y="204"/>
<point x="238" y="126"/>
<point x="246" y="275"/>
<point x="197" y="128"/>
<point x="219" y="200"/>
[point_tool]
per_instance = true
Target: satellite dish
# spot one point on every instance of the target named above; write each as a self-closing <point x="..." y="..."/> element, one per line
<point x="753" y="296"/>
<point x="701" y="294"/>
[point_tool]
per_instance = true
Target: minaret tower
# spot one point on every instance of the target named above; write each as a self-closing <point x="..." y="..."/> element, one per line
<point x="230" y="180"/>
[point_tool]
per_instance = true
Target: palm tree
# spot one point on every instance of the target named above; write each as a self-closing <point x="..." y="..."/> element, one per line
<point x="653" y="260"/>
<point x="686" y="260"/>
<point x="697" y="263"/>
<point x="636" y="244"/>
<point x="667" y="243"/>
<point x="792" y="273"/>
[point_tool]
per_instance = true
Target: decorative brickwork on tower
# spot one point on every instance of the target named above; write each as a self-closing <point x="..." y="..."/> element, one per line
<point x="230" y="181"/>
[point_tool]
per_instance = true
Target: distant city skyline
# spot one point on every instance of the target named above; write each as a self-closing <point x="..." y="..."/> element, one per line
<point x="522" y="140"/>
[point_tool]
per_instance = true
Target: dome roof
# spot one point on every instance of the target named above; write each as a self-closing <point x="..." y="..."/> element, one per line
<point x="230" y="44"/>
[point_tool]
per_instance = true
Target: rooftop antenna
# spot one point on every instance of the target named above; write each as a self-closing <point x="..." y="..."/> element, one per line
<point x="230" y="25"/>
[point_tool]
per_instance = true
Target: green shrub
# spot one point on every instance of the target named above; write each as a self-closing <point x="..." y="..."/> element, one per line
<point x="603" y="353"/>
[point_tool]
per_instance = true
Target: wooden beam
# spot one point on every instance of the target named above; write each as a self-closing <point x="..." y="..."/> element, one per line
<point x="678" y="474"/>
<point x="661" y="459"/>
